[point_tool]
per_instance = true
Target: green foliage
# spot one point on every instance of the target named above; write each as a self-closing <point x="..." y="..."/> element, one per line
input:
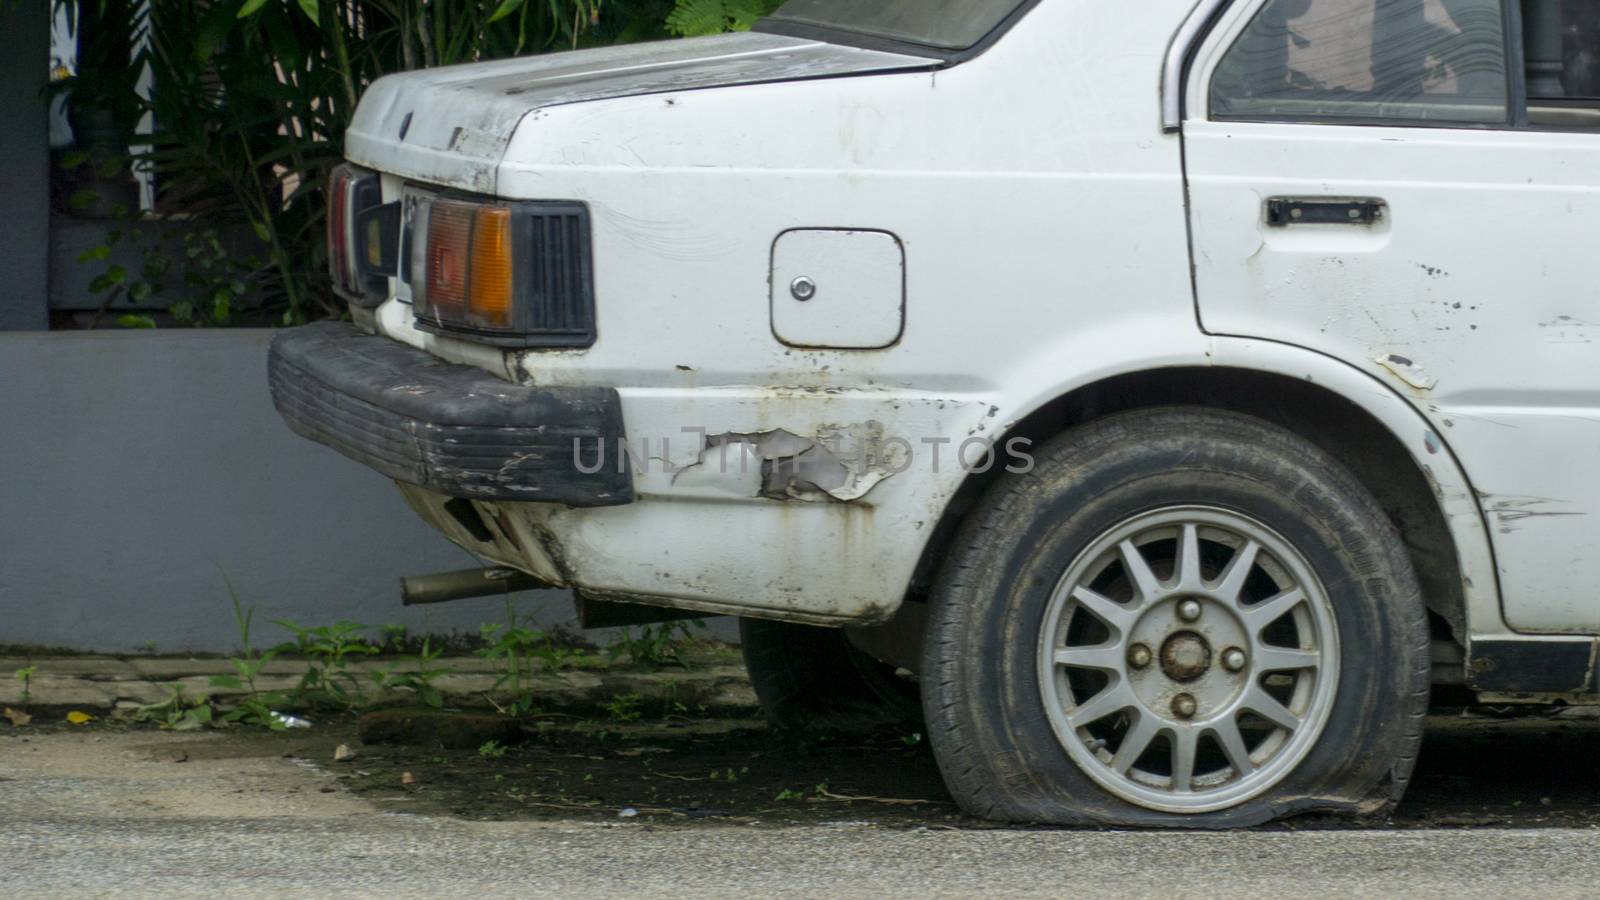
<point x="657" y="645"/>
<point x="255" y="708"/>
<point x="624" y="707"/>
<point x="513" y="647"/>
<point x="25" y="675"/>
<point x="327" y="682"/>
<point x="517" y="651"/>
<point x="420" y="678"/>
<point x="251" y="99"/>
<point x="188" y="270"/>
<point x="491" y="749"/>
<point x="698" y="18"/>
<point x="392" y="637"/>
<point x="177" y="712"/>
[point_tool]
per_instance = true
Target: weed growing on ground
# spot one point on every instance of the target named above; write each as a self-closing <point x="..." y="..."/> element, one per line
<point x="177" y="712"/>
<point x="491" y="749"/>
<point x="255" y="707"/>
<point x="657" y="645"/>
<point x="518" y="650"/>
<point x="327" y="682"/>
<point x="420" y="679"/>
<point x="393" y="637"/>
<point x="624" y="707"/>
<point x="513" y="647"/>
<point x="25" y="675"/>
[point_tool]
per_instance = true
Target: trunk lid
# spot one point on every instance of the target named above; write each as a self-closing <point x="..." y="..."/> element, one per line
<point x="450" y="126"/>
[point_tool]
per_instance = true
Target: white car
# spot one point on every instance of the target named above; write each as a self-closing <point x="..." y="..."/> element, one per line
<point x="1176" y="392"/>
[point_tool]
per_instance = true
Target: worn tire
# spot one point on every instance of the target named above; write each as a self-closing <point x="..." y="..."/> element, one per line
<point x="809" y="678"/>
<point x="1000" y="755"/>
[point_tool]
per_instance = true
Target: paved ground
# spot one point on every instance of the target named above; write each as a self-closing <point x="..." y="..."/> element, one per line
<point x="107" y="812"/>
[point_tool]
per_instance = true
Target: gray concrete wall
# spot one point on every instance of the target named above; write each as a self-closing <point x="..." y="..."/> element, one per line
<point x="137" y="468"/>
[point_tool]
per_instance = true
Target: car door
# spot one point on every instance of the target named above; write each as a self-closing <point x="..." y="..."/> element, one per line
<point x="1368" y="181"/>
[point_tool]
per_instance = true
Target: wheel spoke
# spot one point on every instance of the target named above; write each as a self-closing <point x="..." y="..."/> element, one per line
<point x="1273" y="659"/>
<point x="1101" y="656"/>
<point x="1139" y="572"/>
<point x="1115" y="698"/>
<point x="1271" y="610"/>
<point x="1105" y="609"/>
<point x="1232" y="741"/>
<point x="1135" y="742"/>
<point x="1267" y="707"/>
<point x="1189" y="559"/>
<point x="1185" y="747"/>
<point x="1238" y="570"/>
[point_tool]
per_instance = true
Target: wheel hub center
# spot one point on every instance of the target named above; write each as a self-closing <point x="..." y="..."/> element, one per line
<point x="1185" y="656"/>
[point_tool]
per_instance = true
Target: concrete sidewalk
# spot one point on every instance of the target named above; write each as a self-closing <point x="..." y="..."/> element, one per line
<point x="715" y="679"/>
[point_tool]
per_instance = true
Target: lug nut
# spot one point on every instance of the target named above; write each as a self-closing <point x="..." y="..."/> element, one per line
<point x="1233" y="659"/>
<point x="1189" y="610"/>
<point x="1139" y="656"/>
<point x="1183" y="706"/>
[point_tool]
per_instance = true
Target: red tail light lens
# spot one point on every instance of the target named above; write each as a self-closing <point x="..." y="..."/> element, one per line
<point x="339" y="268"/>
<point x="360" y="241"/>
<point x="449" y="248"/>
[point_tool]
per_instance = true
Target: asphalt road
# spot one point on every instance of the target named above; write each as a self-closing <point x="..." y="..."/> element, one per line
<point x="112" y="814"/>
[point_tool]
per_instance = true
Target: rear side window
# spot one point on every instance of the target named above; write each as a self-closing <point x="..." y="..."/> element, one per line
<point x="941" y="24"/>
<point x="1561" y="42"/>
<point x="1367" y="60"/>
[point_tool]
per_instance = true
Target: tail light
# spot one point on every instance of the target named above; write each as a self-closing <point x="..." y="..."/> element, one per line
<point x="509" y="273"/>
<point x="363" y="236"/>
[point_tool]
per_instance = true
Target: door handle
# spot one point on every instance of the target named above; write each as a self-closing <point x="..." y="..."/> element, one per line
<point x="1285" y="211"/>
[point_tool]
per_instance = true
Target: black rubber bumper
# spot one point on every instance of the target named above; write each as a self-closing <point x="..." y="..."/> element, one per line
<point x="452" y="429"/>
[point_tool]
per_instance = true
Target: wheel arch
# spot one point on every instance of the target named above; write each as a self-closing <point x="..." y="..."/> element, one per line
<point x="1389" y="446"/>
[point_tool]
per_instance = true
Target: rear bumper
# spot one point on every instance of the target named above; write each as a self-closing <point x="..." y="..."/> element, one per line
<point x="452" y="429"/>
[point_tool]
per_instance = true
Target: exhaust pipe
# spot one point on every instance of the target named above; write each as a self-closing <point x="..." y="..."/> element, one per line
<point x="442" y="586"/>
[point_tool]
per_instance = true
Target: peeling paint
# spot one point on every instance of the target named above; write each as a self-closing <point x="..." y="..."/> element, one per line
<point x="840" y="463"/>
<point x="1407" y="371"/>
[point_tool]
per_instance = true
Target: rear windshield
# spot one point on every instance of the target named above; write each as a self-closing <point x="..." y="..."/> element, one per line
<point x="944" y="24"/>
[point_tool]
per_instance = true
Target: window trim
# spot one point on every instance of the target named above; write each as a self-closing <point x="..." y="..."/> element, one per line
<point x="1186" y="44"/>
<point x="1516" y="66"/>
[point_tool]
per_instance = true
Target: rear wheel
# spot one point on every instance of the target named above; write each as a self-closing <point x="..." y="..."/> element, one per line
<point x="812" y="678"/>
<point x="1179" y="617"/>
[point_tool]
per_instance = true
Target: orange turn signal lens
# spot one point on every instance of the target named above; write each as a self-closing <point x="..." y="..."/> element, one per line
<point x="489" y="301"/>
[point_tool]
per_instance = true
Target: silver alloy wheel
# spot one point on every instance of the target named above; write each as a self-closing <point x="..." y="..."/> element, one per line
<point x="1188" y="659"/>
